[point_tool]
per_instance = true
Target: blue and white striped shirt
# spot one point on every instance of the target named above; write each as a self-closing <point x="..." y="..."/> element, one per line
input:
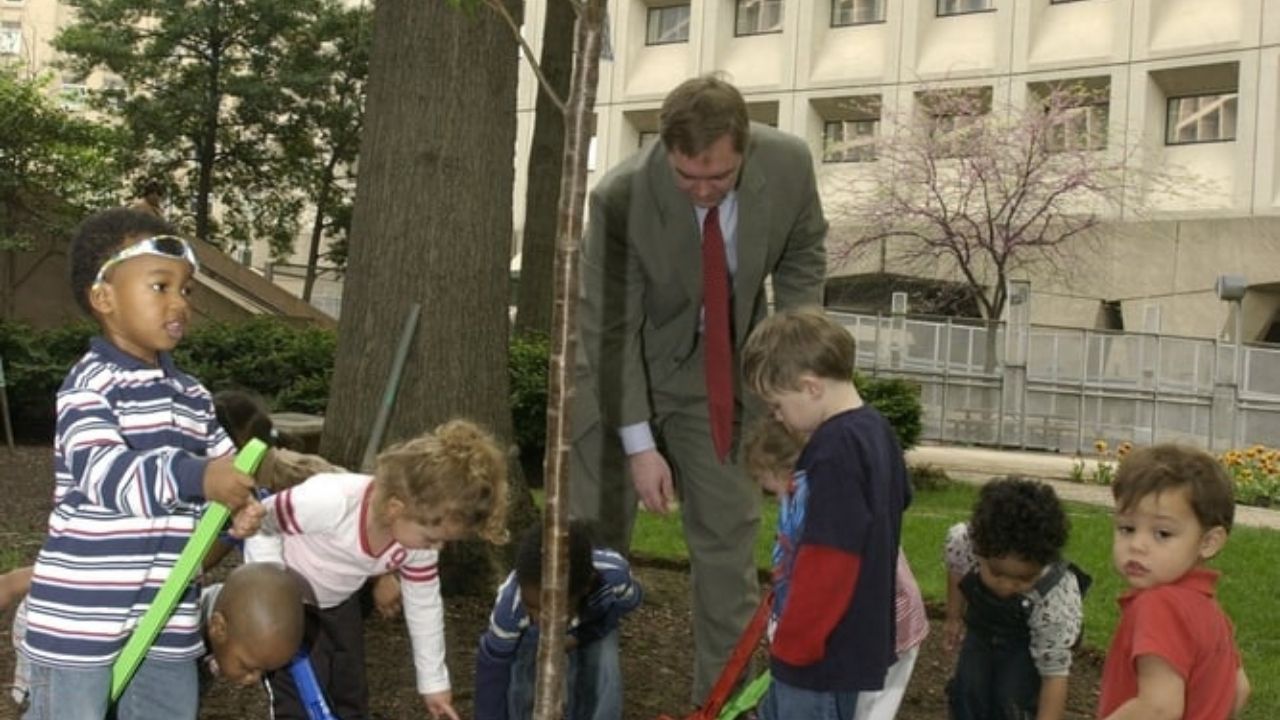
<point x="131" y="446"/>
<point x="614" y="594"/>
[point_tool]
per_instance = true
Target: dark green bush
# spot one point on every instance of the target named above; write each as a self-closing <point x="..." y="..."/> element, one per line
<point x="528" y="360"/>
<point x="289" y="365"/>
<point x="35" y="363"/>
<point x="898" y="400"/>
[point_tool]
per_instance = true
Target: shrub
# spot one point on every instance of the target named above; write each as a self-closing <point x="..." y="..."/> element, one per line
<point x="35" y="363"/>
<point x="926" y="478"/>
<point x="528" y="360"/>
<point x="289" y="365"/>
<point x="898" y="400"/>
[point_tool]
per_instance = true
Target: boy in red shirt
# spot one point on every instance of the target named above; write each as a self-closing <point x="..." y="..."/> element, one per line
<point x="1174" y="653"/>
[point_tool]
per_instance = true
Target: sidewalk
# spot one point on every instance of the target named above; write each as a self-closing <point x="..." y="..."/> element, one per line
<point x="977" y="465"/>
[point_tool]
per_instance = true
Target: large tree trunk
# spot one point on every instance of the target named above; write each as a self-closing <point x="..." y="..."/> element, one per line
<point x="542" y="193"/>
<point x="432" y="224"/>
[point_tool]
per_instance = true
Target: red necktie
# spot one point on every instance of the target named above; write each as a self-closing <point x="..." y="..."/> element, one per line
<point x="718" y="354"/>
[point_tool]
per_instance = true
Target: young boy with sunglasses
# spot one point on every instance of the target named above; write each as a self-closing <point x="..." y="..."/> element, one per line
<point x="138" y="453"/>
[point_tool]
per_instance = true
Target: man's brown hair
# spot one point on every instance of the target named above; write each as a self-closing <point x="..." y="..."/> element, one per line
<point x="1160" y="468"/>
<point x="699" y="112"/>
<point x="792" y="342"/>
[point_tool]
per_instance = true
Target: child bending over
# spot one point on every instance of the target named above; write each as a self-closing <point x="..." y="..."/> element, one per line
<point x="1174" y="652"/>
<point x="834" y="582"/>
<point x="771" y="453"/>
<point x="1013" y="605"/>
<point x="601" y="591"/>
<point x="338" y="530"/>
<point x="137" y="455"/>
<point x="252" y="622"/>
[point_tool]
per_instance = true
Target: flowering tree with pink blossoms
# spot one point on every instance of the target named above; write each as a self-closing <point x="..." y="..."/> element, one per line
<point x="982" y="194"/>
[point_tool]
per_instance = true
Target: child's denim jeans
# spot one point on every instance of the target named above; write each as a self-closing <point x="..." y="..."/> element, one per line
<point x="595" y="680"/>
<point x="788" y="702"/>
<point x="158" y="691"/>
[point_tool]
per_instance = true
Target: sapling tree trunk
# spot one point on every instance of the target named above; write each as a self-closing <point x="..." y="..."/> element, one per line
<point x="579" y="119"/>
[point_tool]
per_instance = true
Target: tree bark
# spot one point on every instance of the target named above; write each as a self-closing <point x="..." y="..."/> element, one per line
<point x="579" y="121"/>
<point x="317" y="227"/>
<point x="432" y="224"/>
<point x="546" y="162"/>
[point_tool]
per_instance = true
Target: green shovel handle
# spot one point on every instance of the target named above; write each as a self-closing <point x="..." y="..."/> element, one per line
<point x="215" y="517"/>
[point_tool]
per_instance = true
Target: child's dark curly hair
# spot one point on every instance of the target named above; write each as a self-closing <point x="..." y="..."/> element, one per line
<point x="1015" y="516"/>
<point x="99" y="237"/>
<point x="582" y="570"/>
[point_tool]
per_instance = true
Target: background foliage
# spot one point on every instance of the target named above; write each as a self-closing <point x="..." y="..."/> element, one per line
<point x="53" y="165"/>
<point x="291" y="366"/>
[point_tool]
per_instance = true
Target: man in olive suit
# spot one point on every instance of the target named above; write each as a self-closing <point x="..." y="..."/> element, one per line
<point x="680" y="239"/>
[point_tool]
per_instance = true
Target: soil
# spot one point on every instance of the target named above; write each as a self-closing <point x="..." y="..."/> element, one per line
<point x="656" y="639"/>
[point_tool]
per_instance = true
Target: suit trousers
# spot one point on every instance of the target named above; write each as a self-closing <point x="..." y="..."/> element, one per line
<point x="719" y="512"/>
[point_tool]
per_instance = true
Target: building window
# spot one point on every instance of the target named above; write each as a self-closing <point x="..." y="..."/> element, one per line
<point x="952" y="134"/>
<point x="591" y="155"/>
<point x="856" y="12"/>
<point x="1201" y="118"/>
<point x="647" y="137"/>
<point x="72" y="95"/>
<point x="849" y="140"/>
<point x="10" y="38"/>
<point x="757" y="17"/>
<point x="1079" y="128"/>
<point x="668" y="25"/>
<point x="963" y="7"/>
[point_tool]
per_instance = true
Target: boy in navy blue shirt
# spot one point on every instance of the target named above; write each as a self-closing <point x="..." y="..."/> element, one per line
<point x="834" y="583"/>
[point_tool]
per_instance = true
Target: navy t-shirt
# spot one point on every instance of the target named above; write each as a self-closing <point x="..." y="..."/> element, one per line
<point x="858" y="489"/>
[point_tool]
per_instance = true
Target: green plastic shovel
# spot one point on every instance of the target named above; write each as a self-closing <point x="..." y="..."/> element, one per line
<point x="215" y="517"/>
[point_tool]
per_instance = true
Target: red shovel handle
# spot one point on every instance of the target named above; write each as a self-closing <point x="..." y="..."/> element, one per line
<point x="738" y="660"/>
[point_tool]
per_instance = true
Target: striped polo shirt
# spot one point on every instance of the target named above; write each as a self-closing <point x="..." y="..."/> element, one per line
<point x="130" y="449"/>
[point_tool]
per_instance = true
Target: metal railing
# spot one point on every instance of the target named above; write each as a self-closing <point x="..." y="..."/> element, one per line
<point x="1077" y="386"/>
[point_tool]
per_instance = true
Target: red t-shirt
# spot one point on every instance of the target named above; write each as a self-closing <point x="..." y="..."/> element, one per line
<point x="1182" y="624"/>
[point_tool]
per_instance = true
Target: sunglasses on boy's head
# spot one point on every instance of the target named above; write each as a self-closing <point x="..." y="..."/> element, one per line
<point x="169" y="246"/>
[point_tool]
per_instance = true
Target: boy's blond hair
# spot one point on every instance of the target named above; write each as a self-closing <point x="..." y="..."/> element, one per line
<point x="457" y="472"/>
<point x="792" y="342"/>
<point x="1159" y="468"/>
<point x="770" y="448"/>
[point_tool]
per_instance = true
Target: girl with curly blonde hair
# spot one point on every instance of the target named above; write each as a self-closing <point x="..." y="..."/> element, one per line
<point x="339" y="529"/>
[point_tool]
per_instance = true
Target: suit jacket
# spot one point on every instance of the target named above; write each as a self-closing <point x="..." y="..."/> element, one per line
<point x="641" y="272"/>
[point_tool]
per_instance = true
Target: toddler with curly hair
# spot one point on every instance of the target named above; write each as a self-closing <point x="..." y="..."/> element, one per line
<point x="1014" y="606"/>
<point x="337" y="530"/>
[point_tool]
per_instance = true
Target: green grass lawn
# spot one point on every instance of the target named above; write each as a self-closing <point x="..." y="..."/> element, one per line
<point x="1250" y="565"/>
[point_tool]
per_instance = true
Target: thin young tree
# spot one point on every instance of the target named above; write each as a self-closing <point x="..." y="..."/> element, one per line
<point x="534" y="297"/>
<point x="579" y="113"/>
<point x="962" y="189"/>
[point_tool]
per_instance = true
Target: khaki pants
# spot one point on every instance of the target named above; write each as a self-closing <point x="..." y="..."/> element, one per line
<point x="720" y="514"/>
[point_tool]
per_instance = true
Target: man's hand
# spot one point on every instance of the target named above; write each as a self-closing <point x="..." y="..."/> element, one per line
<point x="440" y="705"/>
<point x="652" y="477"/>
<point x="386" y="595"/>
<point x="224" y="484"/>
